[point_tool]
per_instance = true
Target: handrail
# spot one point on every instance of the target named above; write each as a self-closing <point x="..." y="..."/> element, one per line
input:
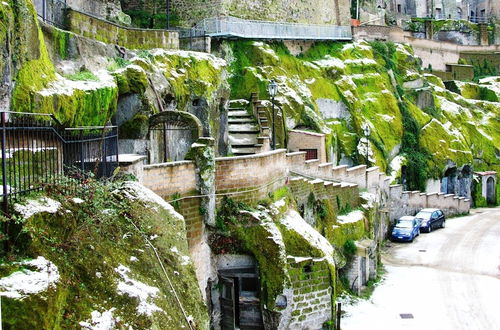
<point x="228" y="26"/>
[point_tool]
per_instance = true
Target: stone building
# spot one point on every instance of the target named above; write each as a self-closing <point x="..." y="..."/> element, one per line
<point x="484" y="9"/>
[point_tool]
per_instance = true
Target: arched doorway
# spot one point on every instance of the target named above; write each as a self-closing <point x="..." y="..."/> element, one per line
<point x="490" y="190"/>
<point x="449" y="181"/>
<point x="171" y="134"/>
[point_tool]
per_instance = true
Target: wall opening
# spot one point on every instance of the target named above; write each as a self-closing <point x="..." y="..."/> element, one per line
<point x="449" y="181"/>
<point x="240" y="299"/>
<point x="490" y="191"/>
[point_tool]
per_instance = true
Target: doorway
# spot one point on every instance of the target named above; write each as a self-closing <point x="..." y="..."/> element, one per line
<point x="490" y="191"/>
<point x="240" y="302"/>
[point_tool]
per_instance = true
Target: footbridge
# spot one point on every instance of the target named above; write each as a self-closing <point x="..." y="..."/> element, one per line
<point x="232" y="27"/>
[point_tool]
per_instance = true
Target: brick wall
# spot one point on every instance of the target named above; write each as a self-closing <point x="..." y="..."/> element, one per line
<point x="312" y="293"/>
<point x="92" y="27"/>
<point x="168" y="179"/>
<point x="298" y="140"/>
<point x="264" y="172"/>
<point x="337" y="193"/>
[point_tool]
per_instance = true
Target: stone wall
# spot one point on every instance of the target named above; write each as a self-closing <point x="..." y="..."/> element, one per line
<point x="93" y="27"/>
<point x="410" y="202"/>
<point x="312" y="293"/>
<point x="379" y="32"/>
<point x="438" y="53"/>
<point x="251" y="178"/>
<point x="335" y="12"/>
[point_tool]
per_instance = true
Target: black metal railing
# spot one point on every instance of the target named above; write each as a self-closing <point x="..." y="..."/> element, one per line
<point x="36" y="151"/>
<point x="52" y="11"/>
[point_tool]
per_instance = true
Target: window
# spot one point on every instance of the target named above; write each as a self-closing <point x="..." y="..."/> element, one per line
<point x="311" y="153"/>
<point x="399" y="8"/>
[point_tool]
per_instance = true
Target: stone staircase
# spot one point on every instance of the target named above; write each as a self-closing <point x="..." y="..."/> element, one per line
<point x="248" y="127"/>
<point x="243" y="130"/>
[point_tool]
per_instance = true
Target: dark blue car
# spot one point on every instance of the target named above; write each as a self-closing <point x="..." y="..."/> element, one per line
<point x="431" y="219"/>
<point x="406" y="229"/>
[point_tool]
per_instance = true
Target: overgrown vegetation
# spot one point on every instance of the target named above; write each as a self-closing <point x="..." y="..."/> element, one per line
<point x="97" y="227"/>
<point x="83" y="75"/>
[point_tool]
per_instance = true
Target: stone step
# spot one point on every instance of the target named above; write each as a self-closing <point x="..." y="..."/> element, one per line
<point x="245" y="150"/>
<point x="243" y="128"/>
<point x="242" y="139"/>
<point x="241" y="120"/>
<point x="239" y="113"/>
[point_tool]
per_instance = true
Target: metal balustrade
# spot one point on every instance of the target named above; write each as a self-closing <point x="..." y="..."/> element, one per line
<point x="231" y="27"/>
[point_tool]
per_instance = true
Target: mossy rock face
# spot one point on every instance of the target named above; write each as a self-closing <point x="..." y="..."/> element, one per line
<point x="33" y="66"/>
<point x="132" y="79"/>
<point x="98" y="245"/>
<point x="135" y="128"/>
<point x="365" y="80"/>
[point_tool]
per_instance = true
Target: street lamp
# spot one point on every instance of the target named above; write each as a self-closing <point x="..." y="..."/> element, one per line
<point x="367" y="131"/>
<point x="272" y="89"/>
<point x="168" y="14"/>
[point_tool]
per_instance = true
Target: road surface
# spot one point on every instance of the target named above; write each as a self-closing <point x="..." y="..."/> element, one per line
<point x="448" y="279"/>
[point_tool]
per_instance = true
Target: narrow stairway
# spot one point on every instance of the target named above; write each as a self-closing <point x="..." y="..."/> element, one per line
<point x="243" y="131"/>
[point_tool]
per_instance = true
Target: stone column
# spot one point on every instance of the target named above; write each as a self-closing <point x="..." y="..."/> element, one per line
<point x="429" y="29"/>
<point x="203" y="154"/>
<point x="483" y="35"/>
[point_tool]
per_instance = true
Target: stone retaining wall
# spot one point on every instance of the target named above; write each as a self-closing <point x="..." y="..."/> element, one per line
<point x="312" y="293"/>
<point x="410" y="202"/>
<point x="99" y="29"/>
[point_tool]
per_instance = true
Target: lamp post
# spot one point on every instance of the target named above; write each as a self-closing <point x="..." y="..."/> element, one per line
<point x="272" y="89"/>
<point x="168" y="14"/>
<point x="366" y="131"/>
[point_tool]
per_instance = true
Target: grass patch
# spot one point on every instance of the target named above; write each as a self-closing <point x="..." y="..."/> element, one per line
<point x="83" y="75"/>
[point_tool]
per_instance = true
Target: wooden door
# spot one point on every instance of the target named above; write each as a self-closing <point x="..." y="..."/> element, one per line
<point x="227" y="303"/>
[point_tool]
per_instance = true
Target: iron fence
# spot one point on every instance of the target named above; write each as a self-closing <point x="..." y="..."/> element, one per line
<point x="232" y="27"/>
<point x="52" y="11"/>
<point x="36" y="150"/>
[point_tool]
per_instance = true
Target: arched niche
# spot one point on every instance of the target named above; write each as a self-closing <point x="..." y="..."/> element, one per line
<point x="172" y="133"/>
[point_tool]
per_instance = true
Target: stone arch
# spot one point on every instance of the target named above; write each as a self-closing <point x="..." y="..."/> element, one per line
<point x="490" y="190"/>
<point x="465" y="182"/>
<point x="172" y="133"/>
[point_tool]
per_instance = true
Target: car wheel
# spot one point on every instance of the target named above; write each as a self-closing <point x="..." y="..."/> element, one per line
<point x="429" y="229"/>
<point x="418" y="232"/>
<point x="443" y="224"/>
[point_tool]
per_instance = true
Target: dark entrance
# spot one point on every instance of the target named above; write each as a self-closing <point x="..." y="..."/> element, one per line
<point x="240" y="303"/>
<point x="490" y="190"/>
<point x="449" y="181"/>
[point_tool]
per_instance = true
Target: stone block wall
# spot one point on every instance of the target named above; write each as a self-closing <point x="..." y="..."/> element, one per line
<point x="312" y="293"/>
<point x="96" y="28"/>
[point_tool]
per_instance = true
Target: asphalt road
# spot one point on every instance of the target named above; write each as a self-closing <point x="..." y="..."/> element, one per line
<point x="448" y="279"/>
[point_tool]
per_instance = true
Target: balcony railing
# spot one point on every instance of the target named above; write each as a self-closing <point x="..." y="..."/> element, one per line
<point x="231" y="27"/>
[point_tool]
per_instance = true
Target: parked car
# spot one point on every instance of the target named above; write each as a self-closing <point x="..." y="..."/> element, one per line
<point x="406" y="229"/>
<point x="431" y="219"/>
